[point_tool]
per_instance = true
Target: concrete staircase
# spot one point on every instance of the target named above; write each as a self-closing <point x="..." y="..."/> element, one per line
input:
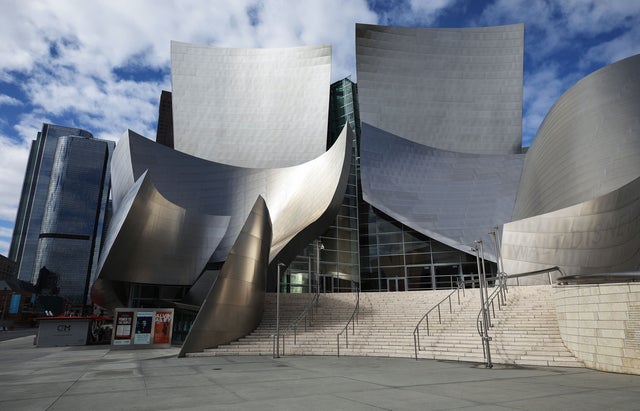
<point x="525" y="332"/>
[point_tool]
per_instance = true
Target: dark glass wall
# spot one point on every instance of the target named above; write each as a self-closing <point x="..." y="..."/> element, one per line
<point x="338" y="247"/>
<point x="395" y="257"/>
<point x="37" y="177"/>
<point x="72" y="220"/>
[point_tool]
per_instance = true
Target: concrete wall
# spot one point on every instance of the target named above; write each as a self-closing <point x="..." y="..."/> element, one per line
<point x="600" y="324"/>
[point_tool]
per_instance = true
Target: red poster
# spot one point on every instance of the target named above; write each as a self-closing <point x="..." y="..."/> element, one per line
<point x="124" y="323"/>
<point x="162" y="327"/>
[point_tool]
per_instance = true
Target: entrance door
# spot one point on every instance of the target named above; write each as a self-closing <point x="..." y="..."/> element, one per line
<point x="446" y="276"/>
<point x="420" y="277"/>
<point x="326" y="284"/>
<point x="396" y="284"/>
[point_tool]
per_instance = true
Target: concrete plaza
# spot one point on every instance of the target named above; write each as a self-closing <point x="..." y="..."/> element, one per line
<point x="98" y="378"/>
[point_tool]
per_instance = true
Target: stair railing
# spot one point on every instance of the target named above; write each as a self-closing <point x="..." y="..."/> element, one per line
<point x="483" y="321"/>
<point x="425" y="317"/>
<point x="352" y="320"/>
<point x="307" y="315"/>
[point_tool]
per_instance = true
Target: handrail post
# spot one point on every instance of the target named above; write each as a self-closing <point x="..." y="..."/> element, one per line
<point x="439" y="317"/>
<point x="427" y="319"/>
<point x="278" y="313"/>
<point x="338" y="344"/>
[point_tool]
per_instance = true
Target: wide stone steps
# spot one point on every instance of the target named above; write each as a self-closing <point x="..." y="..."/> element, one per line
<point x="525" y="331"/>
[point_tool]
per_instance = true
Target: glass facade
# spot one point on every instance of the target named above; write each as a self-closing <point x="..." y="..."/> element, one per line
<point x="367" y="248"/>
<point x="338" y="247"/>
<point x="31" y="208"/>
<point x="61" y="218"/>
<point x="74" y="208"/>
<point x="395" y="257"/>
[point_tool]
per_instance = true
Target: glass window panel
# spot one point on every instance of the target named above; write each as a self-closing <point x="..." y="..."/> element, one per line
<point x="390" y="238"/>
<point x="387" y="260"/>
<point x="447" y="257"/>
<point x="412" y="259"/>
<point x="417" y="248"/>
<point x="390" y="249"/>
<point x="411" y="236"/>
<point x="385" y="226"/>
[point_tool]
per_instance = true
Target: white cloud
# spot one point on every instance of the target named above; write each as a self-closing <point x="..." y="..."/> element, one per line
<point x="4" y="246"/>
<point x="9" y="101"/>
<point x="75" y="61"/>
<point x="541" y="91"/>
<point x="411" y="12"/>
<point x="13" y="157"/>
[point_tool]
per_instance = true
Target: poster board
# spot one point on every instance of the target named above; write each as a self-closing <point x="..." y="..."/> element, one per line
<point x="142" y="327"/>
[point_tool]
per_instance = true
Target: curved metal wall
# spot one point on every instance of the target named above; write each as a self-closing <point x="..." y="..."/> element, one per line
<point x="455" y="198"/>
<point x="258" y="108"/>
<point x="597" y="236"/>
<point x="297" y="196"/>
<point x="588" y="144"/>
<point x="234" y="305"/>
<point x="453" y="89"/>
<point x="151" y="240"/>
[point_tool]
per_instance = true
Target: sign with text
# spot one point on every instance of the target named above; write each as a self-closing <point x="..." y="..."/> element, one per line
<point x="123" y="327"/>
<point x="143" y="327"/>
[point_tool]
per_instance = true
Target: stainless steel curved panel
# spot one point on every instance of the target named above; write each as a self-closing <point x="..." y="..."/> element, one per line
<point x="597" y="236"/>
<point x="588" y="144"/>
<point x="297" y="196"/>
<point x="455" y="198"/>
<point x="453" y="89"/>
<point x="150" y="240"/>
<point x="258" y="108"/>
<point x="235" y="303"/>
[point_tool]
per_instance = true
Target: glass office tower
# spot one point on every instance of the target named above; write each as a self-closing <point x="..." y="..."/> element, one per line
<point x="58" y="234"/>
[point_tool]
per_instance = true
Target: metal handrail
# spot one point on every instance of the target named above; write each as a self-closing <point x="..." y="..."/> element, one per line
<point x="425" y="317"/>
<point x="352" y="320"/>
<point x="307" y="313"/>
<point x="483" y="324"/>
<point x="483" y="320"/>
<point x="599" y="278"/>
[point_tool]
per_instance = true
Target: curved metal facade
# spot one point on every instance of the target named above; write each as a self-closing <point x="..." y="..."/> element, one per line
<point x="296" y="196"/>
<point x="182" y="211"/>
<point x="258" y="108"/>
<point x="588" y="144"/>
<point x="455" y="198"/>
<point x="452" y="89"/>
<point x="442" y="127"/>
<point x="596" y="236"/>
<point x="578" y="204"/>
<point x="151" y="240"/>
<point x="235" y="302"/>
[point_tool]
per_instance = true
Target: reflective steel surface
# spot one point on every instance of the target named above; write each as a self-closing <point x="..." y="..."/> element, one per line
<point x="588" y="144"/>
<point x="455" y="198"/>
<point x="151" y="240"/>
<point x="456" y="89"/>
<point x="597" y="236"/>
<point x="235" y="303"/>
<point x="296" y="196"/>
<point x="577" y="204"/>
<point x="259" y="108"/>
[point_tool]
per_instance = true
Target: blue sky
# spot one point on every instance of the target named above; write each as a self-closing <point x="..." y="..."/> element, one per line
<point x="100" y="65"/>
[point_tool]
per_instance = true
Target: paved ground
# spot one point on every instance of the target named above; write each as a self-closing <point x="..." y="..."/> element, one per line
<point x="97" y="378"/>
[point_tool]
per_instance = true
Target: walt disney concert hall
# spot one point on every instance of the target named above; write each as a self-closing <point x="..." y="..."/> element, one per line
<point x="243" y="177"/>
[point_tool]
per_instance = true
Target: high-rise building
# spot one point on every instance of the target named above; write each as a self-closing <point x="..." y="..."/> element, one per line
<point x="61" y="216"/>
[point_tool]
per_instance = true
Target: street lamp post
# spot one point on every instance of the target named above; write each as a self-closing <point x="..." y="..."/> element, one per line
<point x="278" y="312"/>
<point x="319" y="246"/>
